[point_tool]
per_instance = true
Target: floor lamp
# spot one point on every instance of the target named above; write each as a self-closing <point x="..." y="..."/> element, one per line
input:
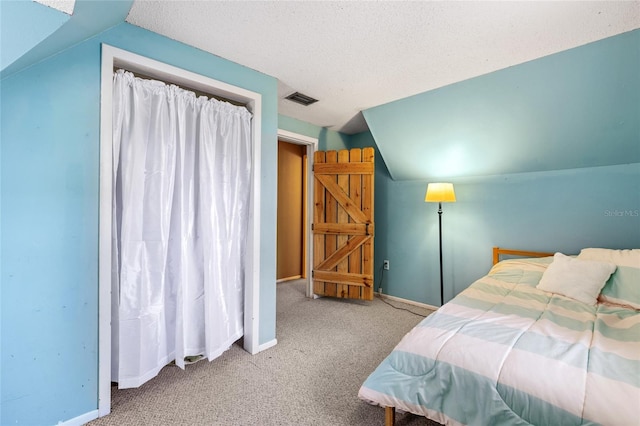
<point x="440" y="193"/>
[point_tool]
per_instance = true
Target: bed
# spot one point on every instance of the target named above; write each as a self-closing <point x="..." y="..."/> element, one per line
<point x="538" y="340"/>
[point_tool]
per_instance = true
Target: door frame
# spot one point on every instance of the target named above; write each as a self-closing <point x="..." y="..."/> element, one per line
<point x="112" y="56"/>
<point x="312" y="147"/>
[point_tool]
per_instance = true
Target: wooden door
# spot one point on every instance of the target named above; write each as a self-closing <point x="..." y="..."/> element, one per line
<point x="343" y="226"/>
<point x="291" y="220"/>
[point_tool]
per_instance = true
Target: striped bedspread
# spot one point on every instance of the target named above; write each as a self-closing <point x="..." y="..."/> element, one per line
<point x="505" y="353"/>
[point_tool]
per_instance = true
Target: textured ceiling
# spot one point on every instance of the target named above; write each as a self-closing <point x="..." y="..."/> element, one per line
<point x="356" y="55"/>
<point x="65" y="6"/>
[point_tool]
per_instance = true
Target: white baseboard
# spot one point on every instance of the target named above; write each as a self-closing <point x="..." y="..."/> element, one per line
<point x="409" y="302"/>
<point x="269" y="344"/>
<point x="80" y="420"/>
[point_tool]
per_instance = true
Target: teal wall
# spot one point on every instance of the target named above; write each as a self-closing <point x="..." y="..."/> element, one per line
<point x="563" y="210"/>
<point x="575" y="109"/>
<point x="327" y="139"/>
<point x="544" y="156"/>
<point x="547" y="211"/>
<point x="49" y="197"/>
<point x="382" y="181"/>
<point x="583" y="101"/>
<point x="49" y="133"/>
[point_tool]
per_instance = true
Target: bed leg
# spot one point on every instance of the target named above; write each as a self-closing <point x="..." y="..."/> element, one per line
<point x="389" y="416"/>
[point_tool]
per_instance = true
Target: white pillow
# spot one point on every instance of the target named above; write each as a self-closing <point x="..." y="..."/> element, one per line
<point x="628" y="257"/>
<point x="578" y="279"/>
<point x="623" y="287"/>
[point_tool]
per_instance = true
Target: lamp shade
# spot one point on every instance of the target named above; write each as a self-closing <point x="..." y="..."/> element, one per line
<point x="440" y="193"/>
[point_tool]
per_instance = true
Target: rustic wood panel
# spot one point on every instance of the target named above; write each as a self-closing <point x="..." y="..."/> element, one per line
<point x="318" y="218"/>
<point x="355" y="193"/>
<point x="343" y="228"/>
<point x="340" y="256"/>
<point x="343" y="225"/>
<point x="351" y="279"/>
<point x="343" y="217"/>
<point x="368" y="155"/>
<point x="350" y="169"/>
<point x="331" y="215"/>
<point x="342" y="198"/>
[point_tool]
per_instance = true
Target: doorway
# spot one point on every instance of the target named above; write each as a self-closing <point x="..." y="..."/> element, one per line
<point x="295" y="263"/>
<point x="291" y="235"/>
<point x="114" y="57"/>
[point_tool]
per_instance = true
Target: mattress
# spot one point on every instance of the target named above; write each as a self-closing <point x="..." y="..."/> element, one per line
<point x="505" y="352"/>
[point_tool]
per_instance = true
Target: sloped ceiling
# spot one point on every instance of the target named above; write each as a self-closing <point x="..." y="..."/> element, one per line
<point x="89" y="18"/>
<point x="575" y="109"/>
<point x="24" y="25"/>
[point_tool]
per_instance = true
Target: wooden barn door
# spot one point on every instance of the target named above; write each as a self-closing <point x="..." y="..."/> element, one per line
<point x="343" y="225"/>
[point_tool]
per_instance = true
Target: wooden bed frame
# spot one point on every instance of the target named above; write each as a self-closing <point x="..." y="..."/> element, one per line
<point x="390" y="412"/>
<point x="497" y="252"/>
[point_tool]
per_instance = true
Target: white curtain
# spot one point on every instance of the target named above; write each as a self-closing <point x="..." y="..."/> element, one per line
<point x="182" y="173"/>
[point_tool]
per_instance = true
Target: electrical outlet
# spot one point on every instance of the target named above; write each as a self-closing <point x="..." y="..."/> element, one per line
<point x="386" y="265"/>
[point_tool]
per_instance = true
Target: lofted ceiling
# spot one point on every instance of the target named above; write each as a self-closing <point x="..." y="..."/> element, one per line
<point x="355" y="55"/>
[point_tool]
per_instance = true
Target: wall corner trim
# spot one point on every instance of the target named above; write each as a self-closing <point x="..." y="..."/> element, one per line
<point x="267" y="345"/>
<point x="81" y="419"/>
<point x="410" y="302"/>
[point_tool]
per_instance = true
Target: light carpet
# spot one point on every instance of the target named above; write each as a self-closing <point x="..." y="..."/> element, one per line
<point x="326" y="349"/>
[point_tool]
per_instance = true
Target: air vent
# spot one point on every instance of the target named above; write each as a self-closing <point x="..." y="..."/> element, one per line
<point x="301" y="99"/>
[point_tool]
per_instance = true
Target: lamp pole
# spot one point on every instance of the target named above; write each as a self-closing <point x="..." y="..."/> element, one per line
<point x="440" y="233"/>
<point x="438" y="193"/>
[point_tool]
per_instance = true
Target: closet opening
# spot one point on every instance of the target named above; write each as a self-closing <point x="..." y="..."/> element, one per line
<point x="197" y="92"/>
<point x="117" y="58"/>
